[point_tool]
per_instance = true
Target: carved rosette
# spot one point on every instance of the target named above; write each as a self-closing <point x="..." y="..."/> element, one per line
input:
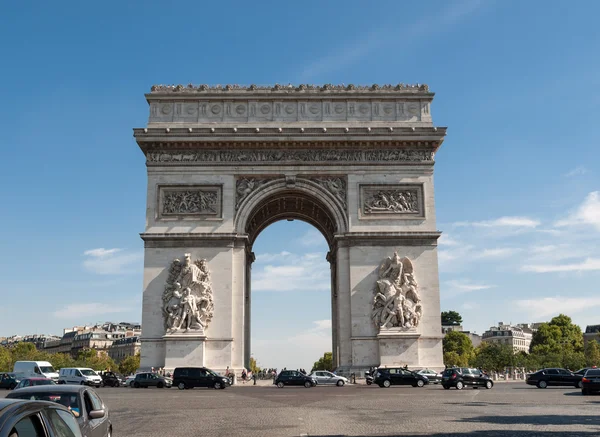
<point x="291" y="156"/>
<point x="396" y="300"/>
<point x="335" y="185"/>
<point x="188" y="297"/>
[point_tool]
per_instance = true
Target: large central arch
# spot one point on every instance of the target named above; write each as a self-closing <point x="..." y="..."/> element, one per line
<point x="355" y="162"/>
<point x="296" y="199"/>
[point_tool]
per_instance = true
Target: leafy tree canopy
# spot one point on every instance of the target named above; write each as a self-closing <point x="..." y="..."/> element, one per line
<point x="324" y="363"/>
<point x="557" y="336"/>
<point x="459" y="342"/>
<point x="451" y="318"/>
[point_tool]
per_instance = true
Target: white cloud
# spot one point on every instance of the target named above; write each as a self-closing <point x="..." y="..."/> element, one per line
<point x="312" y="238"/>
<point x="81" y="310"/>
<point x="507" y="221"/>
<point x="446" y="240"/>
<point x="544" y="249"/>
<point x="270" y="257"/>
<point x="101" y="252"/>
<point x="588" y="213"/>
<point x="501" y="252"/>
<point x="470" y="306"/>
<point x="467" y="286"/>
<point x="577" y="171"/>
<point x="550" y="306"/>
<point x="322" y="324"/>
<point x="111" y="261"/>
<point x="589" y="264"/>
<point x="308" y="272"/>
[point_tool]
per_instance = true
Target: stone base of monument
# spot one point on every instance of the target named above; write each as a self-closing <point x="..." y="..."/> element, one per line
<point x="398" y="347"/>
<point x="184" y="349"/>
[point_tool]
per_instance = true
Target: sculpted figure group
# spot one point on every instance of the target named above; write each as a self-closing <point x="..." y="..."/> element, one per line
<point x="187" y="299"/>
<point x="396" y="303"/>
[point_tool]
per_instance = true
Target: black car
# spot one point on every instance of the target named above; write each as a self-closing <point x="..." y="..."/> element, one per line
<point x="554" y="377"/>
<point x="110" y="379"/>
<point x="8" y="380"/>
<point x="590" y="382"/>
<point x="146" y="380"/>
<point x="36" y="418"/>
<point x="388" y="376"/>
<point x="461" y="377"/>
<point x="293" y="377"/>
<point x="190" y="377"/>
<point x="91" y="414"/>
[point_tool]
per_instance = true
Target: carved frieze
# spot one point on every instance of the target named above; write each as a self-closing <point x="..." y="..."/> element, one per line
<point x="404" y="200"/>
<point x="245" y="186"/>
<point x="335" y="185"/>
<point x="289" y="156"/>
<point x="193" y="201"/>
<point x="191" y="88"/>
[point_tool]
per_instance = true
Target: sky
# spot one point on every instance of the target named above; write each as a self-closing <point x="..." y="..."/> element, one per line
<point x="517" y="178"/>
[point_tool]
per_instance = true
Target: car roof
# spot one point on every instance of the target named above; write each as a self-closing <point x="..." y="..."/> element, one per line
<point x="38" y="379"/>
<point x="12" y="407"/>
<point x="58" y="388"/>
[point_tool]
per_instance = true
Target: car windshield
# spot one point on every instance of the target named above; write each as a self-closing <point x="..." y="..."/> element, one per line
<point x="42" y="382"/>
<point x="69" y="400"/>
<point x="47" y="369"/>
<point x="210" y="372"/>
<point x="88" y="372"/>
<point x="593" y="372"/>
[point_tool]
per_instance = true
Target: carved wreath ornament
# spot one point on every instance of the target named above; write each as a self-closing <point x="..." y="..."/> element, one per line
<point x="188" y="297"/>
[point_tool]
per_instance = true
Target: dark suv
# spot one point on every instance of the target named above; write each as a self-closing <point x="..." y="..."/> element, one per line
<point x="294" y="377"/>
<point x="559" y="377"/>
<point x="110" y="379"/>
<point x="190" y="377"/>
<point x="461" y="377"/>
<point x="388" y="376"/>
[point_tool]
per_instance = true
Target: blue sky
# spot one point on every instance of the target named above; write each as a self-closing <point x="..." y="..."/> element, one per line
<point x="517" y="178"/>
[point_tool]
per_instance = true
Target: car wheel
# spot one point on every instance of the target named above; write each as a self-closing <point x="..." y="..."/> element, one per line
<point x="109" y="433"/>
<point x="181" y="386"/>
<point x="542" y="384"/>
<point x="116" y="384"/>
<point x="446" y="387"/>
<point x="579" y="384"/>
<point x="307" y="384"/>
<point x="101" y="384"/>
<point x="217" y="385"/>
<point x="340" y="383"/>
<point x="12" y="386"/>
<point x="459" y="385"/>
<point x="489" y="385"/>
<point x="369" y="382"/>
<point x="136" y="384"/>
<point x="82" y="383"/>
<point x="420" y="383"/>
<point x="280" y="384"/>
<point x="387" y="383"/>
<point x="160" y="385"/>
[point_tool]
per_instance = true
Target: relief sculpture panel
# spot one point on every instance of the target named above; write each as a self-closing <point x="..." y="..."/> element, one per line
<point x="193" y="201"/>
<point x="392" y="201"/>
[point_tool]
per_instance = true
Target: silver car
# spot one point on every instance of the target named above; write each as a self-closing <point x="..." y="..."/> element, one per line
<point x="324" y="377"/>
<point x="90" y="412"/>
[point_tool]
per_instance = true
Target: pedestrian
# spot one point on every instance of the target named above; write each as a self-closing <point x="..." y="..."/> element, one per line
<point x="244" y="375"/>
<point x="254" y="378"/>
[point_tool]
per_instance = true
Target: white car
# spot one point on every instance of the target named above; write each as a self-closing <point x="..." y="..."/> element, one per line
<point x="432" y="375"/>
<point x="324" y="377"/>
<point x="129" y="381"/>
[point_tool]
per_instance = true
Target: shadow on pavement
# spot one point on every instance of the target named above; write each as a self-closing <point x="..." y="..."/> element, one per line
<point x="490" y="433"/>
<point x="545" y="419"/>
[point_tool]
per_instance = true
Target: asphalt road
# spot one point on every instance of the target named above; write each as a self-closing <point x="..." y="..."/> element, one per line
<point x="508" y="410"/>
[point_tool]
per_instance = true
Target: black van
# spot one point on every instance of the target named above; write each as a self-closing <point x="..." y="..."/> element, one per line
<point x="190" y="377"/>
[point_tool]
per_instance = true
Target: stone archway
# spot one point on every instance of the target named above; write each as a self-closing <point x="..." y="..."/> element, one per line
<point x="355" y="162"/>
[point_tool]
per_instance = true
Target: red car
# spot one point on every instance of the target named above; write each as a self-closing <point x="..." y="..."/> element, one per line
<point x="30" y="382"/>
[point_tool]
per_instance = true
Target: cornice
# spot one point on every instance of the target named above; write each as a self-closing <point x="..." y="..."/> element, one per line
<point x="415" y="238"/>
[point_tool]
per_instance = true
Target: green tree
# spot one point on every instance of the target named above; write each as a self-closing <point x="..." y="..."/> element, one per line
<point x="592" y="353"/>
<point x="94" y="360"/>
<point x="24" y="352"/>
<point x="494" y="356"/>
<point x="253" y="367"/>
<point x="558" y="335"/>
<point x="451" y="318"/>
<point x="130" y="364"/>
<point x="6" y="360"/>
<point x="59" y="361"/>
<point x="452" y="359"/>
<point x="324" y="363"/>
<point x="459" y="342"/>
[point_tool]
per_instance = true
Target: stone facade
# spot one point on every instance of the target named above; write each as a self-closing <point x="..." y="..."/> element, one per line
<point x="124" y="347"/>
<point x="592" y="332"/>
<point x="518" y="337"/>
<point x="355" y="162"/>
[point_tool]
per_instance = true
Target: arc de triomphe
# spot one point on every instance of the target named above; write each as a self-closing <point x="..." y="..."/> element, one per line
<point x="355" y="162"/>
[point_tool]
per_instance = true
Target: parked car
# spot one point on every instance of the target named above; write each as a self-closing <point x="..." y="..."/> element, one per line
<point x="151" y="380"/>
<point x="554" y="377"/>
<point x="388" y="376"/>
<point x="461" y="377"/>
<point x="191" y="377"/>
<point x="9" y="380"/>
<point x="92" y="415"/>
<point x="79" y="376"/>
<point x="585" y="369"/>
<point x="327" y="378"/>
<point x="433" y="376"/>
<point x="129" y="380"/>
<point x="590" y="382"/>
<point x="293" y="377"/>
<point x="30" y="382"/>
<point x="110" y="379"/>
<point x="35" y="369"/>
<point x="36" y="418"/>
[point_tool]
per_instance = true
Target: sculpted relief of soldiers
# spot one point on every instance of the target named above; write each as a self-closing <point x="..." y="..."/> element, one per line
<point x="396" y="303"/>
<point x="188" y="298"/>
